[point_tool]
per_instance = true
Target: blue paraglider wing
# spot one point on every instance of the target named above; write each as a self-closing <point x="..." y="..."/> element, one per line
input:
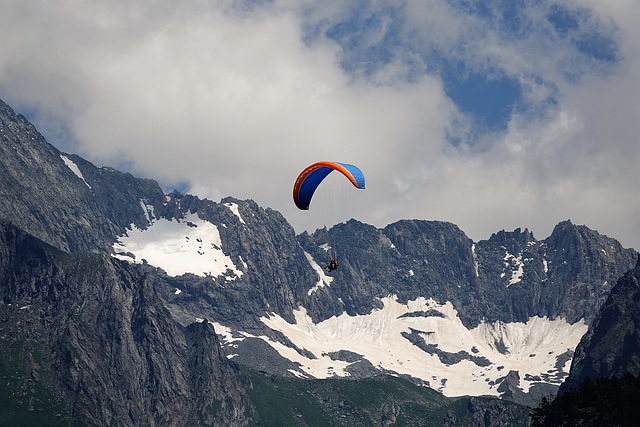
<point x="312" y="176"/>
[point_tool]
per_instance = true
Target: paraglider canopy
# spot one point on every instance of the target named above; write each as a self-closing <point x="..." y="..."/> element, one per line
<point x="311" y="177"/>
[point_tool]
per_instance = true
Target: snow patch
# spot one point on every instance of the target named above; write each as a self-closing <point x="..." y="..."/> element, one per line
<point x="324" y="279"/>
<point x="148" y="210"/>
<point x="244" y="264"/>
<point x="381" y="337"/>
<point x="74" y="168"/>
<point x="511" y="260"/>
<point x="233" y="207"/>
<point x="227" y="334"/>
<point x="189" y="245"/>
<point x="322" y="366"/>
<point x="475" y="259"/>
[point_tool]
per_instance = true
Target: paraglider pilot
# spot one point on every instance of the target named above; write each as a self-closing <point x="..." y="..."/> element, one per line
<point x="333" y="264"/>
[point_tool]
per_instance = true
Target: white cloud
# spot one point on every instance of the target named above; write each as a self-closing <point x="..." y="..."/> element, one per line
<point x="235" y="98"/>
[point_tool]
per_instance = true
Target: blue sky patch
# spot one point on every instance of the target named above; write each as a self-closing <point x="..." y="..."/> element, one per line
<point x="599" y="47"/>
<point x="368" y="40"/>
<point x="563" y="20"/>
<point x="372" y="36"/>
<point x="587" y="36"/>
<point x="490" y="101"/>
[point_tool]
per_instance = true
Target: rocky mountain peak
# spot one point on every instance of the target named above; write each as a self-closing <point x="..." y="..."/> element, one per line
<point x="61" y="198"/>
<point x="522" y="237"/>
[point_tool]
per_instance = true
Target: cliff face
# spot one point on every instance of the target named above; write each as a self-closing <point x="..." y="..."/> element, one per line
<point x="85" y="340"/>
<point x="510" y="277"/>
<point x="611" y="346"/>
<point x="99" y="347"/>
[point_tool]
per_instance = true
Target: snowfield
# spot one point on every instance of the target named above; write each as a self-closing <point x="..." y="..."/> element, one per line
<point x="536" y="349"/>
<point x="188" y="245"/>
<point x="234" y="209"/>
<point x="323" y="280"/>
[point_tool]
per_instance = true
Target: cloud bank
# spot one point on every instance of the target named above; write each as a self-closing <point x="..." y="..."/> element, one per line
<point x="518" y="114"/>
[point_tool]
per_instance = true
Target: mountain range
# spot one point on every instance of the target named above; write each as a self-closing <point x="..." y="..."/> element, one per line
<point x="100" y="265"/>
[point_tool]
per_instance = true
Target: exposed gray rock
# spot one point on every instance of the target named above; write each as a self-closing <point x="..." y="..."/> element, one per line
<point x="490" y="413"/>
<point x="428" y="313"/>
<point x="110" y="351"/>
<point x="611" y="346"/>
<point x="43" y="196"/>
<point x="256" y="353"/>
<point x="510" y="277"/>
<point x="447" y="358"/>
<point x="344" y="355"/>
<point x="509" y="387"/>
<point x="362" y="369"/>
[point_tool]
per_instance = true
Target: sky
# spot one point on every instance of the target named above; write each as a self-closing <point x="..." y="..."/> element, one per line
<point x="488" y="114"/>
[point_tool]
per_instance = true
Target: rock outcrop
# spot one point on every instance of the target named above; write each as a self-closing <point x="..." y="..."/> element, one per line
<point x="95" y="339"/>
<point x="611" y="346"/>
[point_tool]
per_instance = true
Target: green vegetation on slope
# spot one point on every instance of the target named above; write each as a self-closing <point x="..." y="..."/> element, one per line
<point x="28" y="389"/>
<point x="378" y="401"/>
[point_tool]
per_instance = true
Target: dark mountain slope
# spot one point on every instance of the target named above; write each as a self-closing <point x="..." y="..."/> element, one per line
<point x="86" y="341"/>
<point x="85" y="337"/>
<point x="603" y="402"/>
<point x="379" y="401"/>
<point x="611" y="346"/>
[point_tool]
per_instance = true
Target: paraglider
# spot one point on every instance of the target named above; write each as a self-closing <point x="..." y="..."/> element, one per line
<point x="333" y="264"/>
<point x="312" y="176"/>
